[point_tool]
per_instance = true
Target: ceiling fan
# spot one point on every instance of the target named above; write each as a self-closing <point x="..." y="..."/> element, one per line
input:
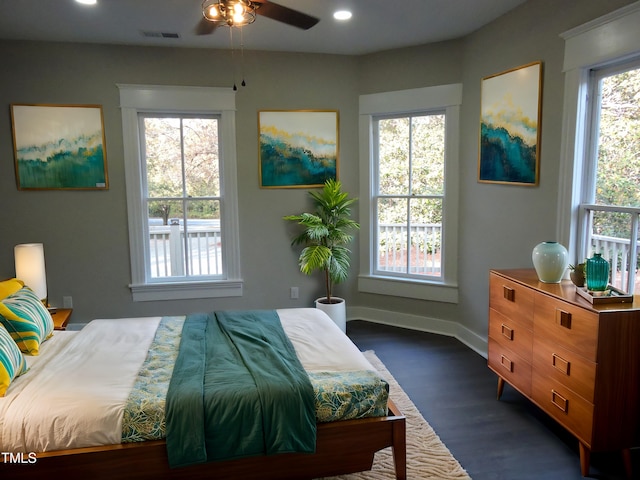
<point x="236" y="13"/>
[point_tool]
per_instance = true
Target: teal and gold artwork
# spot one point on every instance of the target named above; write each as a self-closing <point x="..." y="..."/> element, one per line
<point x="510" y="126"/>
<point x="297" y="148"/>
<point x="59" y="147"/>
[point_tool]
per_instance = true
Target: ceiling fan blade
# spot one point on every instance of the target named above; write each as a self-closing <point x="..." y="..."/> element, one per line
<point x="285" y="15"/>
<point x="205" y="27"/>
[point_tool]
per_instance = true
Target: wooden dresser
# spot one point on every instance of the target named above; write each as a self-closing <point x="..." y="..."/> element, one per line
<point x="580" y="363"/>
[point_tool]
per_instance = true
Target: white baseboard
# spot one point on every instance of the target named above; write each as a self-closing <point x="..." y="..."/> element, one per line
<point x="421" y="323"/>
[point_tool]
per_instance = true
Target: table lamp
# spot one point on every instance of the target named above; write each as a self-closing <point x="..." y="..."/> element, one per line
<point x="29" y="259"/>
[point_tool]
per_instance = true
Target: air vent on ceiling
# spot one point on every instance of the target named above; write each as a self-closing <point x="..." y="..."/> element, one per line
<point x="161" y="34"/>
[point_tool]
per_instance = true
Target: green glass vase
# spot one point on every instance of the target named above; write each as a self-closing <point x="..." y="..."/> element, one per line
<point x="597" y="273"/>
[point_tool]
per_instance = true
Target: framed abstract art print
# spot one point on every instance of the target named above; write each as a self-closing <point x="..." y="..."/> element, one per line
<point x="510" y="115"/>
<point x="59" y="147"/>
<point x="297" y="148"/>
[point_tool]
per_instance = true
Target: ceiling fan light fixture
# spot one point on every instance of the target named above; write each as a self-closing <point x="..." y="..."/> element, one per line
<point x="238" y="8"/>
<point x="233" y="13"/>
<point x="211" y="13"/>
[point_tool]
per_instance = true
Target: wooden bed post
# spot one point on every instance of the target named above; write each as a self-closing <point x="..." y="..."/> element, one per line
<point x="399" y="447"/>
<point x="400" y="450"/>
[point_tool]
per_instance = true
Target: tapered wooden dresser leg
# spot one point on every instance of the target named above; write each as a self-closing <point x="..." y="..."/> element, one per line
<point x="585" y="459"/>
<point x="500" y="387"/>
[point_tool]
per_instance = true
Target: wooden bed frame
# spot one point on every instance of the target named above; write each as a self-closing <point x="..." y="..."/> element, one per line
<point x="341" y="447"/>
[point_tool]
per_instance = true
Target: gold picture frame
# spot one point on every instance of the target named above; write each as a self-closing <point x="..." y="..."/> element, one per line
<point x="298" y="148"/>
<point x="59" y="147"/>
<point x="510" y="121"/>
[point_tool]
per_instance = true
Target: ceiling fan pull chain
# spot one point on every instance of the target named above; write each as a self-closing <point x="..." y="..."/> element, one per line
<point x="242" y="57"/>
<point x="233" y="62"/>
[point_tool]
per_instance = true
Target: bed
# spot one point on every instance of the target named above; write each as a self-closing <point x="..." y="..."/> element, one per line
<point x="69" y="414"/>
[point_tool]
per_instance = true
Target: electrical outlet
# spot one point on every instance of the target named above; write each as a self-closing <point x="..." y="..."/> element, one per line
<point x="67" y="302"/>
<point x="294" y="292"/>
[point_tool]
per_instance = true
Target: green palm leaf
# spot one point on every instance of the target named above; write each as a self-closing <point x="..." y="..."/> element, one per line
<point x="325" y="234"/>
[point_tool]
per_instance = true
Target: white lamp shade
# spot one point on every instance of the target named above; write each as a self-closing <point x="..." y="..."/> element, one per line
<point x="29" y="258"/>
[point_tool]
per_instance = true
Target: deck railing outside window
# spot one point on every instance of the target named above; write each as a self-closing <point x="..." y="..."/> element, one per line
<point x="621" y="249"/>
<point x="425" y="242"/>
<point x="168" y="243"/>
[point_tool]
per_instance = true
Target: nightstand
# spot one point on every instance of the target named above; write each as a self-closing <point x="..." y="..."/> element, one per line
<point x="61" y="317"/>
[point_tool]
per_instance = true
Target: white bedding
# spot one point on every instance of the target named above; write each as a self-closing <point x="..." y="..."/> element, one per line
<point x="75" y="391"/>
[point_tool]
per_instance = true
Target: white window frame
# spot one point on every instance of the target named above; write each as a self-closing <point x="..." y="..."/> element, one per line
<point x="604" y="41"/>
<point x="135" y="99"/>
<point x="588" y="207"/>
<point x="447" y="98"/>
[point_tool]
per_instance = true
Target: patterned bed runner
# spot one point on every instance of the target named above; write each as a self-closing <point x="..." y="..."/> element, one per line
<point x="143" y="417"/>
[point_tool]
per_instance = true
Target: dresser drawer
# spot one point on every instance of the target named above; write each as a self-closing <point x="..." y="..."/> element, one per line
<point x="569" y="326"/>
<point x="511" y="334"/>
<point x="569" y="409"/>
<point x="565" y="367"/>
<point x="510" y="366"/>
<point x="511" y="299"/>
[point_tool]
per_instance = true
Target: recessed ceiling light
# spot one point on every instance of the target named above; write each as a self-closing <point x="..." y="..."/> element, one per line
<point x="342" y="15"/>
<point x="87" y="2"/>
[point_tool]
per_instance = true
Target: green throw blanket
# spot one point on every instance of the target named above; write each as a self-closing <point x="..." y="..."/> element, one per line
<point x="238" y="389"/>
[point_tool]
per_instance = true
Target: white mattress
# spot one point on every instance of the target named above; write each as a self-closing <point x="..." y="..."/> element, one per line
<point x="75" y="391"/>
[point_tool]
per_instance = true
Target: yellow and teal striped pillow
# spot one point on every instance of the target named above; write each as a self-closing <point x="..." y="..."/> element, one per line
<point x="12" y="362"/>
<point x="27" y="320"/>
<point x="10" y="286"/>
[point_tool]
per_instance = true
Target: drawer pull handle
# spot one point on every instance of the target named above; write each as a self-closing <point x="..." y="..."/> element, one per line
<point x="509" y="293"/>
<point x="563" y="318"/>
<point x="561" y="364"/>
<point x="507" y="332"/>
<point x="559" y="401"/>
<point x="506" y="363"/>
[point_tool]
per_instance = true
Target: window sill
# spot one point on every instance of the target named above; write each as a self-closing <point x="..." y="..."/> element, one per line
<point x="187" y="290"/>
<point x="399" y="287"/>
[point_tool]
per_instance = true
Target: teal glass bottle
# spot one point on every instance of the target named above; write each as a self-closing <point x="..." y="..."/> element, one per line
<point x="597" y="273"/>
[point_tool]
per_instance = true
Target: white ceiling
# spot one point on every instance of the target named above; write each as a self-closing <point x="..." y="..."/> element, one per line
<point x="376" y="24"/>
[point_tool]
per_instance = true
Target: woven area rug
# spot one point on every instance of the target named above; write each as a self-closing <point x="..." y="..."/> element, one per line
<point x="427" y="456"/>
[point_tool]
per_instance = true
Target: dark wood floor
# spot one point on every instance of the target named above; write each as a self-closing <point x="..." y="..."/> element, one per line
<point x="507" y="439"/>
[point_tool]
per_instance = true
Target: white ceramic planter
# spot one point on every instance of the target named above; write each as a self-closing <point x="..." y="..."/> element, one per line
<point x="336" y="311"/>
<point x="550" y="260"/>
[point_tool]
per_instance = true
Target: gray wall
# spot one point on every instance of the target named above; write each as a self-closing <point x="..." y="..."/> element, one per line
<point x="85" y="233"/>
<point x="499" y="225"/>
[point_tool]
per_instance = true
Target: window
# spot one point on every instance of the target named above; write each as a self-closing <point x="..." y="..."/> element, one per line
<point x="182" y="205"/>
<point x="611" y="198"/>
<point x="181" y="162"/>
<point x="598" y="208"/>
<point x="408" y="194"/>
<point x="409" y="144"/>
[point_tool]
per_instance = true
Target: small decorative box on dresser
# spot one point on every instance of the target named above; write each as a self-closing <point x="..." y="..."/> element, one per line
<point x="579" y="362"/>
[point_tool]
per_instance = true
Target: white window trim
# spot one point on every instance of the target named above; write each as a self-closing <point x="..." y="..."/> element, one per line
<point x="611" y="38"/>
<point x="135" y="99"/>
<point x="442" y="97"/>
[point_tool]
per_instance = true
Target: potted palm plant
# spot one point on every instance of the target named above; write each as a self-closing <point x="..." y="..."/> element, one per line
<point x="326" y="232"/>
